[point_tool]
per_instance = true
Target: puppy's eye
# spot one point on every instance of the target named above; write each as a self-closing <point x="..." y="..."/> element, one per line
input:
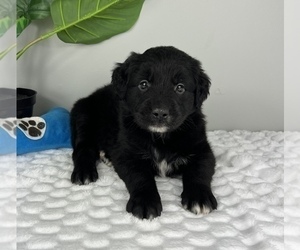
<point x="179" y="88"/>
<point x="144" y="85"/>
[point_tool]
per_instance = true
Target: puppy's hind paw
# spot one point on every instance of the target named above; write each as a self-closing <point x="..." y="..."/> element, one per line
<point x="104" y="159"/>
<point x="84" y="177"/>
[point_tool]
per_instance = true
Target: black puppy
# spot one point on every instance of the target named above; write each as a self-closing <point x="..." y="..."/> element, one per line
<point x="148" y="122"/>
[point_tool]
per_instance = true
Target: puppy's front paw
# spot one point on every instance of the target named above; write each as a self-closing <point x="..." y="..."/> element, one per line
<point x="199" y="200"/>
<point x="144" y="206"/>
<point x="84" y="176"/>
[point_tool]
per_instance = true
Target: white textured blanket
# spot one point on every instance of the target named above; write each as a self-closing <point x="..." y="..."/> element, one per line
<point x="248" y="184"/>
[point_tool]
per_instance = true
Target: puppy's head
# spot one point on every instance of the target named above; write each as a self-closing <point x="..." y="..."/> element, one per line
<point x="161" y="87"/>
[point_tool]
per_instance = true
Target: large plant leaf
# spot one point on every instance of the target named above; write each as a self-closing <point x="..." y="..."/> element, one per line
<point x="92" y="21"/>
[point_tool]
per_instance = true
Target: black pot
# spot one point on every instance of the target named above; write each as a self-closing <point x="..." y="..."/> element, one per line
<point x="7" y="102"/>
<point x="26" y="99"/>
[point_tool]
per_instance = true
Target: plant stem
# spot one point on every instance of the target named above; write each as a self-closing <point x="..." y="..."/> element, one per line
<point x="5" y="52"/>
<point x="43" y="37"/>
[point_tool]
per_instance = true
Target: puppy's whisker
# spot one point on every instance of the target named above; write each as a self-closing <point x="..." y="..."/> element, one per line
<point x="132" y="125"/>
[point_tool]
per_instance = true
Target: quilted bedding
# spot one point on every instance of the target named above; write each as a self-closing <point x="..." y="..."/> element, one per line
<point x="248" y="184"/>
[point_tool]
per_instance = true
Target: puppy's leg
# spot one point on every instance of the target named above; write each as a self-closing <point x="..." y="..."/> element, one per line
<point x="84" y="158"/>
<point x="138" y="176"/>
<point x="197" y="195"/>
<point x="85" y="153"/>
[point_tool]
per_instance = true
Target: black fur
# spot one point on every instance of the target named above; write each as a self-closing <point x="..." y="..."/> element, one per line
<point x="148" y="121"/>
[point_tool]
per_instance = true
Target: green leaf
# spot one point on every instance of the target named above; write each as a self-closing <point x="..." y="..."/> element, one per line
<point x="33" y="9"/>
<point x="39" y="9"/>
<point x="5" y="24"/>
<point x="23" y="18"/>
<point x="7" y="15"/>
<point x="92" y="21"/>
<point x="7" y="9"/>
<point x="22" y="8"/>
<point x="28" y="10"/>
<point x="22" y="23"/>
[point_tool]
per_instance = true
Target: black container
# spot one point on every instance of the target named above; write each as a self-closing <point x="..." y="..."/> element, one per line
<point x="26" y="98"/>
<point x="7" y="102"/>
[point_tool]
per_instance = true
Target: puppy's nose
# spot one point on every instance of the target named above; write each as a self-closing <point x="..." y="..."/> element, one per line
<point x="160" y="114"/>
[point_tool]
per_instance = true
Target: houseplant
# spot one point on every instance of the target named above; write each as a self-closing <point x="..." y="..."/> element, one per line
<point x="74" y="21"/>
<point x="79" y="21"/>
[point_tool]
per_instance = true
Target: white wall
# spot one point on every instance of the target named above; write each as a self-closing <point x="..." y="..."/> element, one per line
<point x="239" y="42"/>
<point x="8" y="63"/>
<point x="292" y="65"/>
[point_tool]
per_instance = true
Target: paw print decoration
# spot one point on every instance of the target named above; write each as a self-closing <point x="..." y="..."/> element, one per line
<point x="10" y="126"/>
<point x="33" y="127"/>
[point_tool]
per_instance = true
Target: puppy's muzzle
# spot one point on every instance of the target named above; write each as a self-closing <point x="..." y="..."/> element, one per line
<point x="160" y="115"/>
<point x="160" y="118"/>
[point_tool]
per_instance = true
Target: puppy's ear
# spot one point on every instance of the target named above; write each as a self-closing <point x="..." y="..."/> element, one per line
<point x="121" y="74"/>
<point x="202" y="86"/>
<point x="119" y="80"/>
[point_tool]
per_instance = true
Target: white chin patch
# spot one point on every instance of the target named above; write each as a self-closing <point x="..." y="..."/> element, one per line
<point x="157" y="129"/>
